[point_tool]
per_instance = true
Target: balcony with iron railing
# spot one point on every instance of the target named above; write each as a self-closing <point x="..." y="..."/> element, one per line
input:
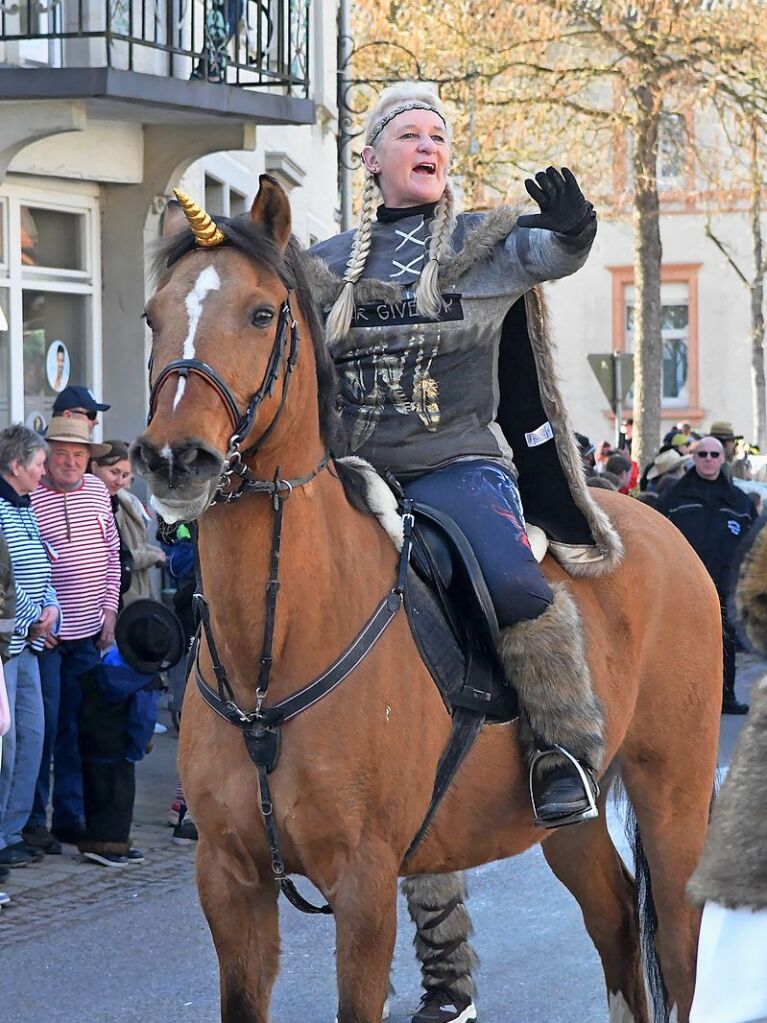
<point x="240" y="58"/>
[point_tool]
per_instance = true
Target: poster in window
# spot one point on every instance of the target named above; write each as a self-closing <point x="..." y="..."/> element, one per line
<point x="57" y="366"/>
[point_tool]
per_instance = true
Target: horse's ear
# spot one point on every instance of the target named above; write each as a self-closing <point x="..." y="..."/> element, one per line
<point x="271" y="211"/>
<point x="173" y="219"/>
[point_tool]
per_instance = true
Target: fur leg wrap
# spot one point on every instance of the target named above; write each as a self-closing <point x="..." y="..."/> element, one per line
<point x="545" y="661"/>
<point x="437" y="905"/>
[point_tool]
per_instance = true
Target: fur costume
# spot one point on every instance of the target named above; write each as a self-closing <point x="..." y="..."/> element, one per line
<point x="733" y="870"/>
<point x="437" y="907"/>
<point x="551" y="481"/>
<point x="751" y="592"/>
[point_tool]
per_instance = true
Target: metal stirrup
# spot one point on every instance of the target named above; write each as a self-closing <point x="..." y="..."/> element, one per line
<point x="590" y="791"/>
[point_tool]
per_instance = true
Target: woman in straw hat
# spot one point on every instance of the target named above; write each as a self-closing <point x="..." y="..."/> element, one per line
<point x="422" y="306"/>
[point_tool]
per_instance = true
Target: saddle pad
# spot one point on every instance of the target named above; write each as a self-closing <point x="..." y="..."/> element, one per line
<point x="448" y="661"/>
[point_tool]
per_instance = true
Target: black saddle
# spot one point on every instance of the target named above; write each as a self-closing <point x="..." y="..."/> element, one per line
<point x="453" y="619"/>
<point x="455" y="627"/>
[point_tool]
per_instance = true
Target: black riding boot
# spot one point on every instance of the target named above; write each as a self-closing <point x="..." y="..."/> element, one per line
<point x="562" y="790"/>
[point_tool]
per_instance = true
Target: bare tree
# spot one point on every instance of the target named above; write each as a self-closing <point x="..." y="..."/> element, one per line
<point x="580" y="73"/>
<point x="745" y="134"/>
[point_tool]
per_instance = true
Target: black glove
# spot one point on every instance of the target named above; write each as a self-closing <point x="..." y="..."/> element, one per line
<point x="563" y="206"/>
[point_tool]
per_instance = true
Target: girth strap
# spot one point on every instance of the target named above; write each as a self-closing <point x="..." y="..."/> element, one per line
<point x="466" y="727"/>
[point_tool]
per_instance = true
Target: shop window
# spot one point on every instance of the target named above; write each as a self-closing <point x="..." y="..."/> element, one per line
<point x="5" y="357"/>
<point x="679" y="331"/>
<point x="52" y="239"/>
<point x="49" y="300"/>
<point x="55" y="347"/>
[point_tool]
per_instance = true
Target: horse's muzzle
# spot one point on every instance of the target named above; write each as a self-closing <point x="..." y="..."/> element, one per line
<point x="184" y="465"/>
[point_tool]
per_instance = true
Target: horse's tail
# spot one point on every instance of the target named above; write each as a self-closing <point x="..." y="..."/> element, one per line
<point x="644" y="906"/>
<point x="657" y="998"/>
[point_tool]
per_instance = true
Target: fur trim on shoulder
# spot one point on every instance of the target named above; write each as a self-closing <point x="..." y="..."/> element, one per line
<point x="733" y="870"/>
<point x="478" y="247"/>
<point x="751" y="592"/>
<point x="480" y="242"/>
<point x="576" y="561"/>
<point x="379" y="497"/>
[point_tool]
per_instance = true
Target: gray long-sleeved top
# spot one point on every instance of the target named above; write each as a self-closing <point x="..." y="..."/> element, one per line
<point x="418" y="394"/>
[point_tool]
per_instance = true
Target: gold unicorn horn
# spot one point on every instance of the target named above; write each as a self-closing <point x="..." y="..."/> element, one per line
<point x="204" y="227"/>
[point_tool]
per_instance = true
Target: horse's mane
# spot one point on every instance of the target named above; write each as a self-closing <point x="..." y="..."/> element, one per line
<point x="242" y="234"/>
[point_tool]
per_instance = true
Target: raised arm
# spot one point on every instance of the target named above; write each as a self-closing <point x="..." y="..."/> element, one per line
<point x="555" y="242"/>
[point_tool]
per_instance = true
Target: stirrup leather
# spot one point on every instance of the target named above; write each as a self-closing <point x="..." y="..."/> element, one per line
<point x="590" y="790"/>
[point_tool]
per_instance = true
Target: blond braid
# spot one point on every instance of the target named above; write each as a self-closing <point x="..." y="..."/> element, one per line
<point x="428" y="298"/>
<point x="340" y="316"/>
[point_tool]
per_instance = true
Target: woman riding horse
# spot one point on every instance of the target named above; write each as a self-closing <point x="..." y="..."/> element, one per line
<point x="298" y="584"/>
<point x="420" y="398"/>
<point x="419" y="386"/>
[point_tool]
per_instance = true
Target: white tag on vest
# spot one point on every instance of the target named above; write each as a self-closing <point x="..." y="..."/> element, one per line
<point x="539" y="436"/>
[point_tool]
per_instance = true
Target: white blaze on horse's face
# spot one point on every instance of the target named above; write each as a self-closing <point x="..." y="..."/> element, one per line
<point x="207" y="281"/>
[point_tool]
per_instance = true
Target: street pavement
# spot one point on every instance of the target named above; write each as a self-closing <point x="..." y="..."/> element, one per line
<point x="82" y="943"/>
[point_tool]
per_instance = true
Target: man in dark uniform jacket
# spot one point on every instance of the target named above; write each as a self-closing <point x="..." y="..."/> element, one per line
<point x="714" y="516"/>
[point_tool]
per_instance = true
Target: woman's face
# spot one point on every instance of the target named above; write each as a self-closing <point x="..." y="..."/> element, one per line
<point x="114" y="477"/>
<point x="411" y="159"/>
<point x="25" y="478"/>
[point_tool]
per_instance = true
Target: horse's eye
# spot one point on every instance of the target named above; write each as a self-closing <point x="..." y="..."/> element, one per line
<point x="148" y="322"/>
<point x="261" y="317"/>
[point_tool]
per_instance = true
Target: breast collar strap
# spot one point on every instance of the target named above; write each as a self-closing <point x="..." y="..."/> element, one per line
<point x="261" y="726"/>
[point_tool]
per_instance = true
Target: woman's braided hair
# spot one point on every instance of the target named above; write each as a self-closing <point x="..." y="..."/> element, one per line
<point x="407" y="96"/>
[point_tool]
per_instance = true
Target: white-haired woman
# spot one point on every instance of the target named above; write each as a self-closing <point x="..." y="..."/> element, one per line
<point x="36" y="617"/>
<point x="418" y="300"/>
<point x="422" y="305"/>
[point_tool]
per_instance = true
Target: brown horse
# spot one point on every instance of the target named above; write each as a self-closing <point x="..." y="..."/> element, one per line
<point x="356" y="771"/>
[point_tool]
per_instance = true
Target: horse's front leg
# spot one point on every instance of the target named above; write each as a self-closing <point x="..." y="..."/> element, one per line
<point x="365" y="907"/>
<point x="243" y="920"/>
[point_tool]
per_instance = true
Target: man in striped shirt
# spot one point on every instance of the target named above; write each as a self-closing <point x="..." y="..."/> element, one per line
<point x="77" y="524"/>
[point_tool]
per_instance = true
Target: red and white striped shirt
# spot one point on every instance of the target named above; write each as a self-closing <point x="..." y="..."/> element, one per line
<point x="79" y="528"/>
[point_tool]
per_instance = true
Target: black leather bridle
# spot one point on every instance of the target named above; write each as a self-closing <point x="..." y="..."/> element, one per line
<point x="242" y="422"/>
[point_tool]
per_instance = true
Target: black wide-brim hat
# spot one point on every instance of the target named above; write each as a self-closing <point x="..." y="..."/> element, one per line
<point x="149" y="636"/>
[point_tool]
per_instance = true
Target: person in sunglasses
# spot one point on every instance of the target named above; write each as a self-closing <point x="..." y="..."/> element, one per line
<point x="76" y="402"/>
<point x="714" y="517"/>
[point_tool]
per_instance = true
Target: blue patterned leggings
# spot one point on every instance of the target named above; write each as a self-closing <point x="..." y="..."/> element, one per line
<point x="483" y="499"/>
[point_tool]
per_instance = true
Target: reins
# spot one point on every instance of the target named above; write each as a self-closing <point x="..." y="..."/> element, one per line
<point x="261" y="726"/>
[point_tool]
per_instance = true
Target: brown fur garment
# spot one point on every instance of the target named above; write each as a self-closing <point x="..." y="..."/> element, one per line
<point x="751" y="593"/>
<point x="545" y="659"/>
<point x="733" y="870"/>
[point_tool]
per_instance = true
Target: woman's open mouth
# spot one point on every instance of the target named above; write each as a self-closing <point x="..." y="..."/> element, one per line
<point x="426" y="168"/>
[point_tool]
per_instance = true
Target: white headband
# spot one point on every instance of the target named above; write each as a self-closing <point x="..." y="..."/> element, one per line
<point x="417" y="105"/>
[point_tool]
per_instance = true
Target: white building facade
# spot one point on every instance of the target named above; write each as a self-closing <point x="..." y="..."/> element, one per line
<point x="96" y="130"/>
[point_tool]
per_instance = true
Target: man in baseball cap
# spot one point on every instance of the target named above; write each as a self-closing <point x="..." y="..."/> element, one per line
<point x="78" y="402"/>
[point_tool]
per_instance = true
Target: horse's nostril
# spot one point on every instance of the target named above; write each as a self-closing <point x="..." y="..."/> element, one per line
<point x="146" y="457"/>
<point x="192" y="460"/>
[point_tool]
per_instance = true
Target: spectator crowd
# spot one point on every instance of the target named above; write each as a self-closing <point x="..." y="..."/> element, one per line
<point x="86" y="647"/>
<point x="84" y="644"/>
<point x="690" y="481"/>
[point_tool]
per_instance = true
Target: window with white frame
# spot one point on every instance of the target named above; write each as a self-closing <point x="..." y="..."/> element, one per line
<point x="675" y="319"/>
<point x="49" y="301"/>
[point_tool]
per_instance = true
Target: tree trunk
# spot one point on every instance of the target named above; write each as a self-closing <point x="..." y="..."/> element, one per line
<point x="648" y="346"/>
<point x="759" y="434"/>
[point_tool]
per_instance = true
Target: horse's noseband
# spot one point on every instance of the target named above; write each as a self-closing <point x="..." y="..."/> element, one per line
<point x="242" y="422"/>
